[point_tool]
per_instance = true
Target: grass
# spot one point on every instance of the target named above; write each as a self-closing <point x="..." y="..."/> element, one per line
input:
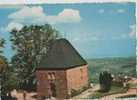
<point x="114" y="90"/>
<point x="133" y="85"/>
<point x="128" y="96"/>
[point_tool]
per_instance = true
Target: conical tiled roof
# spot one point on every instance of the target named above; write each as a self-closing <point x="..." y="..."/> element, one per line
<point x="62" y="55"/>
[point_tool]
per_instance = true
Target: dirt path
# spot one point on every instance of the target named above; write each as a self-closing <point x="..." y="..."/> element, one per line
<point x="86" y="93"/>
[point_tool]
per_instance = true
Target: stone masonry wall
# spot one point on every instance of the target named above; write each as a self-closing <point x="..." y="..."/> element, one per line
<point x="43" y="84"/>
<point x="77" y="78"/>
<point x="65" y="81"/>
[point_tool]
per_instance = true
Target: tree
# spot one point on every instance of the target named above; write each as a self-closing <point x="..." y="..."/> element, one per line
<point x="7" y="76"/>
<point x="5" y="72"/>
<point x="105" y="80"/>
<point x="2" y="41"/>
<point x="8" y="80"/>
<point x="1" y="63"/>
<point x="30" y="44"/>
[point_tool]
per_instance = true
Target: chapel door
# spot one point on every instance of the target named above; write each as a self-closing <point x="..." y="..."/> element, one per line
<point x="53" y="89"/>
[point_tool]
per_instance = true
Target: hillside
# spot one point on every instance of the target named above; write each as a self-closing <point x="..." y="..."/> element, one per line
<point x="123" y="66"/>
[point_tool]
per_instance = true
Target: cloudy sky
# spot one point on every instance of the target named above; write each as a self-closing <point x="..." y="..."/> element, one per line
<point x="95" y="30"/>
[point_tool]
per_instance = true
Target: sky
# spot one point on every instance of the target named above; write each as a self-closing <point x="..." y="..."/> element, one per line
<point x="96" y="30"/>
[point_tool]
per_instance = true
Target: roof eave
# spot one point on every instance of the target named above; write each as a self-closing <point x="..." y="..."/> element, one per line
<point x="63" y="68"/>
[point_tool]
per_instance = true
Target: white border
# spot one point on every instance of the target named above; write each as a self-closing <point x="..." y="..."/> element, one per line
<point x="58" y="1"/>
<point x="14" y="2"/>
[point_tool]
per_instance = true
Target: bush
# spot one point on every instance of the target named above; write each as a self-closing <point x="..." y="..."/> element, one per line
<point x="8" y="81"/>
<point x="105" y="81"/>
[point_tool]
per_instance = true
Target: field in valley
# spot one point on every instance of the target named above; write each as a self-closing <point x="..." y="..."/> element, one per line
<point x="122" y="66"/>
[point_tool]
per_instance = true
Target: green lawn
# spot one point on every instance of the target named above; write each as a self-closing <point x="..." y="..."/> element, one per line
<point x="114" y="90"/>
<point x="128" y="96"/>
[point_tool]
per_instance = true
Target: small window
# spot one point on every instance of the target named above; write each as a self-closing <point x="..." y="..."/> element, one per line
<point x="51" y="76"/>
<point x="81" y="71"/>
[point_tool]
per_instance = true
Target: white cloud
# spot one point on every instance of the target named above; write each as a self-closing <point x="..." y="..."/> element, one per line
<point x="61" y="1"/>
<point x="13" y="25"/>
<point x="132" y="34"/>
<point x="121" y="11"/>
<point x="101" y="11"/>
<point x="68" y="15"/>
<point x="10" y="26"/>
<point x="27" y="13"/>
<point x="36" y="15"/>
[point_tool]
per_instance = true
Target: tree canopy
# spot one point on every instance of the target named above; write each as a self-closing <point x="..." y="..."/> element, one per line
<point x="2" y="59"/>
<point x="30" y="44"/>
<point x="3" y="69"/>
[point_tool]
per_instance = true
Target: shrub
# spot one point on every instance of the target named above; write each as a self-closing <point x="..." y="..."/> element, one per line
<point x="105" y="81"/>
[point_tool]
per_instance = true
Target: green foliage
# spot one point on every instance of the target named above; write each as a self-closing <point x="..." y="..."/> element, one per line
<point x="2" y="42"/>
<point x="7" y="76"/>
<point x="113" y="90"/>
<point x="8" y="80"/>
<point x="3" y="63"/>
<point x="105" y="81"/>
<point x="30" y="44"/>
<point x="127" y="96"/>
